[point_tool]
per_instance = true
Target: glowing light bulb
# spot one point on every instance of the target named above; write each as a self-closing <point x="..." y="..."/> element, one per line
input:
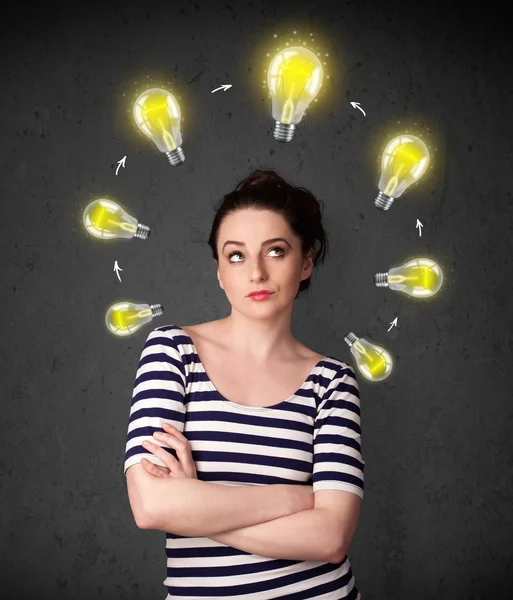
<point x="294" y="78"/>
<point x="157" y="115"/>
<point x="404" y="161"/>
<point x="105" y="219"/>
<point x="373" y="361"/>
<point x="420" y="277"/>
<point x="125" y="318"/>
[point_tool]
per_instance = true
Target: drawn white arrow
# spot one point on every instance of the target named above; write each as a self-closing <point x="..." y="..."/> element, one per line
<point x="121" y="162"/>
<point x="357" y="105"/>
<point x="420" y="226"/>
<point x="225" y="86"/>
<point x="394" y="322"/>
<point x="117" y="268"/>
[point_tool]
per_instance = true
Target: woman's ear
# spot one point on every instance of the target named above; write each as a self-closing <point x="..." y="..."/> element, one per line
<point x="309" y="259"/>
<point x="307" y="265"/>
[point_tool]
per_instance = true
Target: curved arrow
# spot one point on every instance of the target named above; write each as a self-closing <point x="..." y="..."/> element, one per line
<point x="120" y="163"/>
<point x="117" y="268"/>
<point x="225" y="86"/>
<point x="357" y="105"/>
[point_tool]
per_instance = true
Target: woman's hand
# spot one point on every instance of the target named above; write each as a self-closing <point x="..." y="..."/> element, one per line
<point x="184" y="467"/>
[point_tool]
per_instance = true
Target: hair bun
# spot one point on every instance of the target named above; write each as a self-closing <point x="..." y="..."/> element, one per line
<point x="258" y="178"/>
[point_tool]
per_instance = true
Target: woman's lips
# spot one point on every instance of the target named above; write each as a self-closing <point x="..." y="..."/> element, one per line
<point x="263" y="296"/>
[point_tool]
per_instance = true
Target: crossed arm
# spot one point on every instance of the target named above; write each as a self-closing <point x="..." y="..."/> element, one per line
<point x="276" y="521"/>
<point x="300" y="536"/>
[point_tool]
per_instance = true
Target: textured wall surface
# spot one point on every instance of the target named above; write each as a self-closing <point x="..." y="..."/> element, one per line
<point x="436" y="436"/>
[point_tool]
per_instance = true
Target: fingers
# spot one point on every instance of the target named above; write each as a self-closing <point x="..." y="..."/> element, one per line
<point x="163" y="469"/>
<point x="151" y="468"/>
<point x="184" y="466"/>
<point x="173" y="434"/>
<point x="181" y="445"/>
<point x="174" y="431"/>
<point x="158" y="451"/>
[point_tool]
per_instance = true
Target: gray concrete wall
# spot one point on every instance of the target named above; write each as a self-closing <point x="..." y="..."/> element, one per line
<point x="436" y="435"/>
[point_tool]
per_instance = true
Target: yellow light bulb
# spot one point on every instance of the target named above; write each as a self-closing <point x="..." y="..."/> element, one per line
<point x="294" y="78"/>
<point x="373" y="361"/>
<point x="404" y="161"/>
<point x="125" y="318"/>
<point x="157" y="115"/>
<point x="106" y="220"/>
<point x="420" y="277"/>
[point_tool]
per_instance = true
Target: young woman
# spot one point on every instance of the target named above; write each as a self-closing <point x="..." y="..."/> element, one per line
<point x="254" y="467"/>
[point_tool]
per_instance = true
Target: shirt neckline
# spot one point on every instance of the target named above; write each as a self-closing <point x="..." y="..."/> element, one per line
<point x="236" y="404"/>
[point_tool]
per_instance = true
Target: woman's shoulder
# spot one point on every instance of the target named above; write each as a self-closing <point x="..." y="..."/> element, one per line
<point x="197" y="333"/>
<point x="208" y="330"/>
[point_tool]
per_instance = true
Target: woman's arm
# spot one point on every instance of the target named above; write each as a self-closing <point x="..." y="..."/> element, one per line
<point x="194" y="508"/>
<point x="306" y="535"/>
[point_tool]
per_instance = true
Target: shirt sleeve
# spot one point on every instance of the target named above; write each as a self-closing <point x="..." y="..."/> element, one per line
<point x="158" y="396"/>
<point x="337" y="458"/>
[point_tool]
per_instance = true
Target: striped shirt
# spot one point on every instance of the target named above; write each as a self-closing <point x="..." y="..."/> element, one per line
<point x="311" y="438"/>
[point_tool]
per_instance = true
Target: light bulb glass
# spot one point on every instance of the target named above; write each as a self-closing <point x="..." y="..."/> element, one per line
<point x="125" y="318"/>
<point x="158" y="116"/>
<point x="420" y="277"/>
<point x="404" y="161"/>
<point x="105" y="219"/>
<point x="374" y="362"/>
<point x="294" y="78"/>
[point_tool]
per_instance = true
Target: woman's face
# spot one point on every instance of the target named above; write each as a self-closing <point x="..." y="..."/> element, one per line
<point x="277" y="266"/>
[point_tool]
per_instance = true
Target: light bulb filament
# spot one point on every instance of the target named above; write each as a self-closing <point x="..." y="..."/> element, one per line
<point x="373" y="359"/>
<point x="125" y="318"/>
<point x="169" y="141"/>
<point x="104" y="220"/>
<point x="392" y="185"/>
<point x="288" y="111"/>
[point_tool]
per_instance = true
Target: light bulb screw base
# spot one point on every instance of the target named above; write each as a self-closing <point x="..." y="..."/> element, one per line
<point x="142" y="232"/>
<point x="381" y="279"/>
<point x="283" y="132"/>
<point x="176" y="156"/>
<point x="383" y="201"/>
<point x="350" y="339"/>
<point x="156" y="310"/>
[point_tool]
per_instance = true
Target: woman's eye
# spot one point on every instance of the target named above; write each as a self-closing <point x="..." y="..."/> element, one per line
<point x="282" y="252"/>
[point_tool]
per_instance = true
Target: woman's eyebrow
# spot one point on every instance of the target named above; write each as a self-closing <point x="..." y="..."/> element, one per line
<point x="270" y="241"/>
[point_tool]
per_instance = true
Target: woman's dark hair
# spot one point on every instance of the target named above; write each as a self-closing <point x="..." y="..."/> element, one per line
<point x="266" y="190"/>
